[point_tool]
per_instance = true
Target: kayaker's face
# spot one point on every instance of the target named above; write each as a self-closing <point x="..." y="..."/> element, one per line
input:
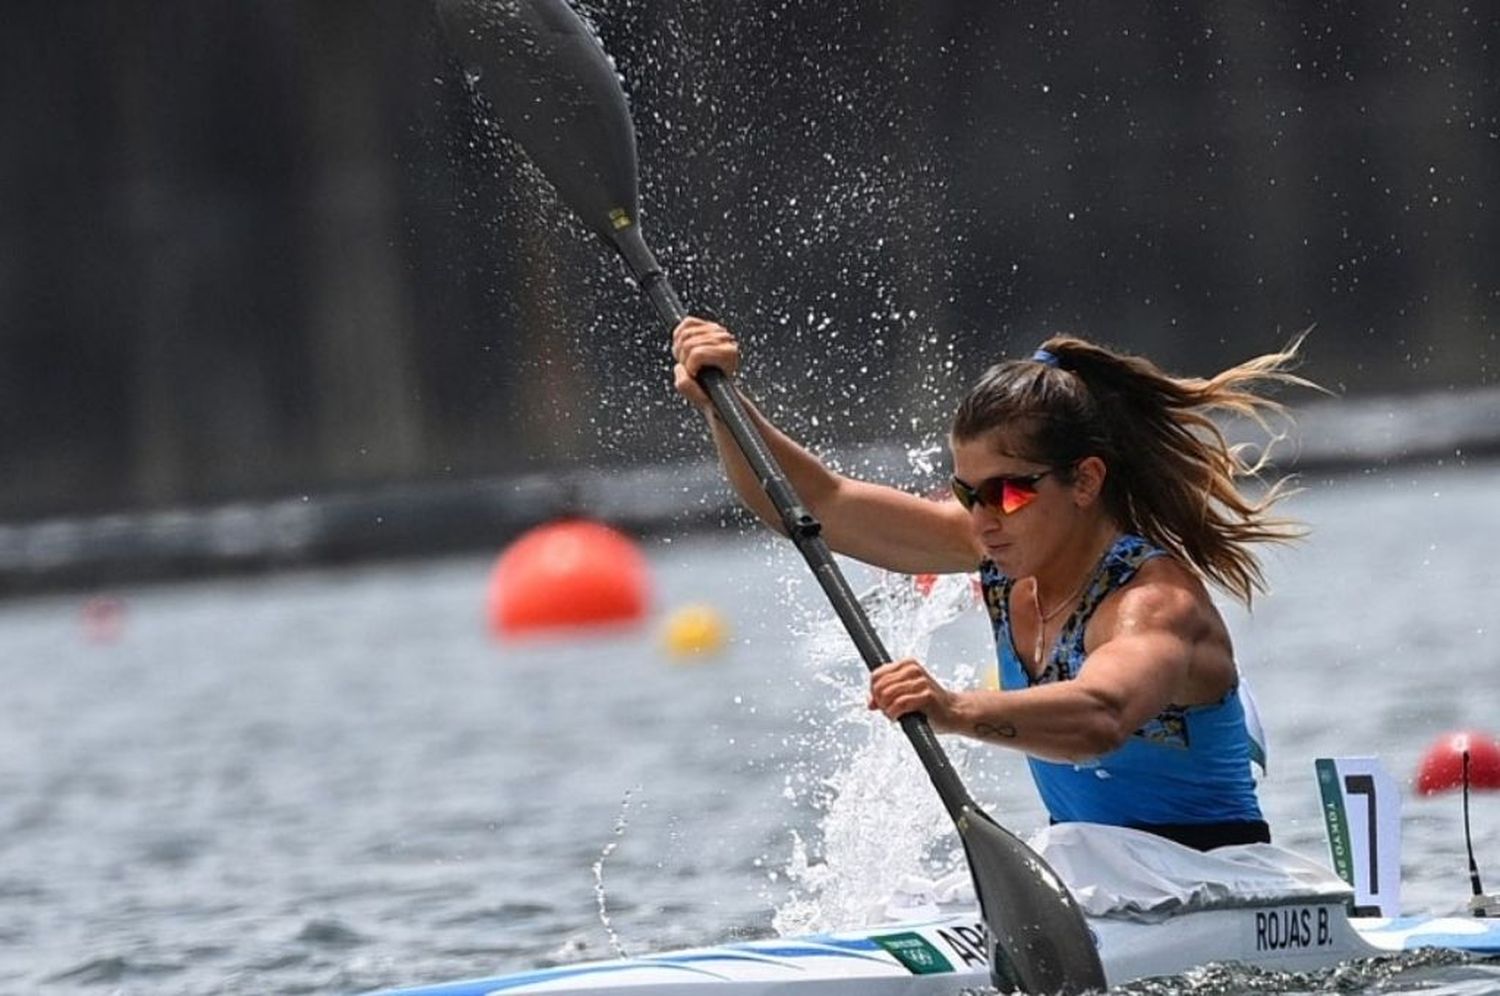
<point x="1017" y="507"/>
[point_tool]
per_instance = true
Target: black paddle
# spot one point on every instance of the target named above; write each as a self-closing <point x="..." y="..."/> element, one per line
<point x="554" y="90"/>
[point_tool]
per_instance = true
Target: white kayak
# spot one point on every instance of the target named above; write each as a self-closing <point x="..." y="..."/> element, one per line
<point x="942" y="955"/>
<point x="1153" y="907"/>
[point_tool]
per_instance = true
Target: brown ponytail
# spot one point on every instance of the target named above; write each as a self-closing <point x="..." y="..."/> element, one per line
<point x="1172" y="476"/>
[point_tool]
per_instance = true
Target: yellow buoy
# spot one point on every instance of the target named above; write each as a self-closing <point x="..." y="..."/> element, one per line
<point x="694" y="631"/>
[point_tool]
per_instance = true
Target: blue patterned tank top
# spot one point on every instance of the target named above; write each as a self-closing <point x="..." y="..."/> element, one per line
<point x="1188" y="765"/>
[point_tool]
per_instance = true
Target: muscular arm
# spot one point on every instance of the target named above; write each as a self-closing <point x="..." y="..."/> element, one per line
<point x="1153" y="634"/>
<point x="880" y="525"/>
<point x="1127" y="681"/>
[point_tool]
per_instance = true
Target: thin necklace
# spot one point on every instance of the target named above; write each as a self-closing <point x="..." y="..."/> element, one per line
<point x="1043" y="618"/>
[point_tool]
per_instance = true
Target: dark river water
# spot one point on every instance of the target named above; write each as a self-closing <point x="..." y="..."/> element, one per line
<point x="329" y="781"/>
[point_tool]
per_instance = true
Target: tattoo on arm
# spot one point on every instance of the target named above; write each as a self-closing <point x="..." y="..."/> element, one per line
<point x="995" y="731"/>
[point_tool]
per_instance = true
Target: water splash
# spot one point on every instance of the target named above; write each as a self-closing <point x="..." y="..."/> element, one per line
<point x="881" y="824"/>
<point x="598" y="868"/>
<point x="823" y="184"/>
<point x="925" y="458"/>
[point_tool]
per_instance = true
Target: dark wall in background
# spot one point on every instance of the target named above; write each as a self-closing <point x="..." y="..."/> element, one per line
<point x="268" y="248"/>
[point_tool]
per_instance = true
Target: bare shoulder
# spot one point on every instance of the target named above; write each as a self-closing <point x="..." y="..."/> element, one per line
<point x="1164" y="595"/>
<point x="1167" y="606"/>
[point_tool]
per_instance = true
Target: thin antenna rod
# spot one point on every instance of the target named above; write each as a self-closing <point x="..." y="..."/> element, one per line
<point x="1468" y="837"/>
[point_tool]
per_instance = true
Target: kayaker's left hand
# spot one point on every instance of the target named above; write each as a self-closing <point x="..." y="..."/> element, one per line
<point x="905" y="686"/>
<point x="699" y="343"/>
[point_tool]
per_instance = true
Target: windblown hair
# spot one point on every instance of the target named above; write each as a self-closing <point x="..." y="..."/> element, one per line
<point x="1172" y="476"/>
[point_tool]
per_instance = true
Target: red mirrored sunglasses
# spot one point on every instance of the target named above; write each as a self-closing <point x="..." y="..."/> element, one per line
<point x="1005" y="493"/>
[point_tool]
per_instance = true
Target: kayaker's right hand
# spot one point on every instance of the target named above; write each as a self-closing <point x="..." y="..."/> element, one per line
<point x="904" y="686"/>
<point x="698" y="343"/>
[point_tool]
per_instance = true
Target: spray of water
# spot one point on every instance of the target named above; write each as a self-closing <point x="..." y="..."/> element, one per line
<point x="880" y="824"/>
<point x="598" y="868"/>
<point x="738" y="197"/>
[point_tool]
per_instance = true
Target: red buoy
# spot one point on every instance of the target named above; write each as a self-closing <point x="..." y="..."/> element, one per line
<point x="926" y="582"/>
<point x="1442" y="767"/>
<point x="565" y="575"/>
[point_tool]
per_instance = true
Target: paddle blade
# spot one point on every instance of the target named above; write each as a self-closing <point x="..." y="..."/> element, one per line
<point x="554" y="90"/>
<point x="1041" y="942"/>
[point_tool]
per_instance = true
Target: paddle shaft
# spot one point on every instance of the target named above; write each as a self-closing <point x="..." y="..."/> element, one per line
<point x="552" y="87"/>
<point x="800" y="524"/>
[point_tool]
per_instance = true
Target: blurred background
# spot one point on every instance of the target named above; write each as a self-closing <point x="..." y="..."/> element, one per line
<point x="271" y="291"/>
<point x="273" y="295"/>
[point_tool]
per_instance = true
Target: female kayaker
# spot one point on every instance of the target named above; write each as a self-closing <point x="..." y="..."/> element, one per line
<point x="1097" y="501"/>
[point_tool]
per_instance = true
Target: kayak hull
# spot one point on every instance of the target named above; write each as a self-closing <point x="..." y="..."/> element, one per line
<point x="939" y="954"/>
